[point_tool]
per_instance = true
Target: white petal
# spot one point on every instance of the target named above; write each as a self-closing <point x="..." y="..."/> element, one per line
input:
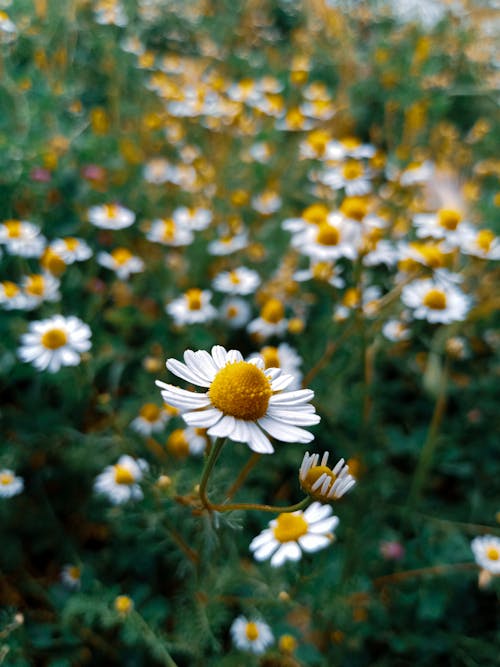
<point x="263" y="552"/>
<point x="199" y="367"/>
<point x="285" y="432"/>
<point x="258" y="441"/>
<point x="313" y="543"/>
<point x="325" y="526"/>
<point x="219" y="355"/>
<point x="287" y="551"/>
<point x="317" y="512"/>
<point x="223" y="428"/>
<point x="290" y="398"/>
<point x="202" y="418"/>
<point x="182" y="371"/>
<point x="297" y="417"/>
<point x="181" y="398"/>
<point x="282" y="382"/>
<point x="261" y="539"/>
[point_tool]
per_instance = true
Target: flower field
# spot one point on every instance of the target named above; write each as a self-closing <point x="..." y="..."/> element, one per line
<point x="249" y="345"/>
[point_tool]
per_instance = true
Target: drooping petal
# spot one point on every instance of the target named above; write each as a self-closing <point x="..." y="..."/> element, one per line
<point x="312" y="543"/>
<point x="258" y="441"/>
<point x="284" y="432"/>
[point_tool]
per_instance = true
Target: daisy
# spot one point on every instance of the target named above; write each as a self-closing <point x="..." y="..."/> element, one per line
<point x="157" y="171"/>
<point x="71" y="249"/>
<point x="168" y="232"/>
<point x="486" y="550"/>
<point x="352" y="176"/>
<point x="436" y="301"/>
<point x="329" y="241"/>
<point x="55" y="342"/>
<point x="260" y="152"/>
<point x="294" y="121"/>
<point x="321" y="482"/>
<point x="237" y="281"/>
<point x="396" y="331"/>
<point x="482" y="243"/>
<point x="111" y="216"/>
<point x="11" y="296"/>
<point x="235" y="311"/>
<point x="195" y="219"/>
<point x="446" y="224"/>
<point x="193" y="307"/>
<point x="251" y="635"/>
<point x="326" y="272"/>
<point x="416" y="173"/>
<point x="184" y="441"/>
<point x="267" y="202"/>
<point x="285" y="357"/>
<point x="226" y="245"/>
<point x="271" y="321"/>
<point x="318" y="109"/>
<point x="315" y="214"/>
<point x="291" y="533"/>
<point x="151" y="419"/>
<point x="122" y="262"/>
<point x="40" y="287"/>
<point x="10" y="485"/>
<point x="313" y="147"/>
<point x="22" y="238"/>
<point x="8" y="29"/>
<point x="71" y="576"/>
<point x="242" y="399"/>
<point x="119" y="482"/>
<point x="349" y="147"/>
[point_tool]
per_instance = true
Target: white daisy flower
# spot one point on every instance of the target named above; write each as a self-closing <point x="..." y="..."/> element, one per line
<point x="329" y="241"/>
<point x="326" y="272"/>
<point x="291" y="533"/>
<point x="111" y="216"/>
<point x="417" y="173"/>
<point x="71" y="576"/>
<point x="267" y="202"/>
<point x="486" y="550"/>
<point x="122" y="262"/>
<point x="193" y="307"/>
<point x="8" y="29"/>
<point x="168" y="232"/>
<point x="71" y="249"/>
<point x="151" y="419"/>
<point x="294" y="121"/>
<point x="396" y="331"/>
<point x="322" y="483"/>
<point x="315" y="214"/>
<point x="11" y="296"/>
<point x="55" y="342"/>
<point x="384" y="252"/>
<point x="353" y="176"/>
<point x="481" y="243"/>
<point x="318" y="109"/>
<point x="22" y="238"/>
<point x="285" y="357"/>
<point x="195" y="219"/>
<point x="251" y="635"/>
<point x="349" y="147"/>
<point x="271" y="322"/>
<point x="226" y="245"/>
<point x="235" y="311"/>
<point x="260" y="152"/>
<point x="446" y="224"/>
<point x="40" y="287"/>
<point x="120" y="481"/>
<point x="238" y="281"/>
<point x="242" y="401"/>
<point x="10" y="485"/>
<point x="436" y="301"/>
<point x="184" y="441"/>
<point x="157" y="171"/>
<point x="106" y="13"/>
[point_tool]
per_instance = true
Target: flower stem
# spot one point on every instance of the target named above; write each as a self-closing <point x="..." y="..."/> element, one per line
<point x="230" y="507"/>
<point x="209" y="464"/>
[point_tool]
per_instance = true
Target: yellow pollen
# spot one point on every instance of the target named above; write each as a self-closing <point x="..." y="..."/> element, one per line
<point x="449" y="218"/>
<point x="350" y="142"/>
<point x="327" y="235"/>
<point x="54" y="339"/>
<point x="10" y="289"/>
<point x="121" y="256"/>
<point x="232" y="311"/>
<point x="150" y="412"/>
<point x="294" y="119"/>
<point x="247" y="85"/>
<point x="233" y="277"/>
<point x="201" y="431"/>
<point x="251" y="631"/>
<point x="74" y="572"/>
<point x="193" y="297"/>
<point x="177" y="443"/>
<point x="168" y="232"/>
<point x="431" y="255"/>
<point x="354" y="207"/>
<point x="13" y="228"/>
<point x="352" y="170"/>
<point x="270" y="356"/>
<point x="492" y="553"/>
<point x="52" y="262"/>
<point x="71" y="243"/>
<point x="35" y="285"/>
<point x="289" y="527"/>
<point x="273" y="311"/>
<point x="123" y="475"/>
<point x="111" y="210"/>
<point x="241" y="390"/>
<point x="484" y="239"/>
<point x="315" y="214"/>
<point x="351" y="297"/>
<point x="318" y="140"/>
<point x="6" y="478"/>
<point x="322" y="271"/>
<point x="313" y="474"/>
<point x="435" y="299"/>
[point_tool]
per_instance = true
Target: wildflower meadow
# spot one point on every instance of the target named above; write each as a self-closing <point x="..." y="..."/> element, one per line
<point x="249" y="344"/>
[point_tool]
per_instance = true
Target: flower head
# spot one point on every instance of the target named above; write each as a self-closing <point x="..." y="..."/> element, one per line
<point x="323" y="483"/>
<point x="120" y="481"/>
<point x="10" y="485"/>
<point x="243" y="401"/>
<point x="486" y="550"/>
<point x="251" y="635"/>
<point x="111" y="216"/>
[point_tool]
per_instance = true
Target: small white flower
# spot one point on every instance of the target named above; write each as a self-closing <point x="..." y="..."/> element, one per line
<point x="291" y="533"/>
<point x="193" y="307"/>
<point x="167" y="232"/>
<point x="395" y="331"/>
<point x="446" y="224"/>
<point x="352" y="176"/>
<point x="481" y="243"/>
<point x="10" y="485"/>
<point x="251" y="635"/>
<point x="436" y="301"/>
<point x="111" y="216"/>
<point x="235" y="311"/>
<point x="243" y="400"/>
<point x="350" y="147"/>
<point x="11" y="296"/>
<point x="71" y="249"/>
<point x="122" y="262"/>
<point x="22" y="238"/>
<point x="184" y="441"/>
<point x="157" y="171"/>
<point x="120" y="481"/>
<point x="55" y="342"/>
<point x="71" y="576"/>
<point x="486" y="550"/>
<point x="40" y="287"/>
<point x="417" y="173"/>
<point x="195" y="219"/>
<point x="267" y="202"/>
<point x="151" y="419"/>
<point x="326" y="272"/>
<point x="238" y="281"/>
<point x="271" y="322"/>
<point x="321" y="482"/>
<point x="226" y="245"/>
<point x="329" y="241"/>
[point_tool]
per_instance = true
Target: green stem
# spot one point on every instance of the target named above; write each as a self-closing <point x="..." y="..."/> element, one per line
<point x="209" y="464"/>
<point x="230" y="507"/>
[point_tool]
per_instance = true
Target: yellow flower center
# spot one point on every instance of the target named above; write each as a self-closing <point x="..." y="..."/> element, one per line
<point x="168" y="232"/>
<point x="492" y="553"/>
<point x="289" y="527"/>
<point x="431" y="254"/>
<point x="150" y="412"/>
<point x="270" y="356"/>
<point x="73" y="572"/>
<point x="352" y="170"/>
<point x="313" y="474"/>
<point x="193" y="298"/>
<point x="294" y="119"/>
<point x="123" y="604"/>
<point x="10" y="289"/>
<point x="273" y="311"/>
<point x="111" y="210"/>
<point x="351" y="297"/>
<point x="123" y="475"/>
<point x="234" y="278"/>
<point x="6" y="478"/>
<point x="354" y="207"/>
<point x="484" y="239"/>
<point x="54" y="339"/>
<point x="327" y="235"/>
<point x="315" y="214"/>
<point x="287" y="644"/>
<point x="35" y="285"/>
<point x="449" y="218"/>
<point x="13" y="228"/>
<point x="251" y="631"/>
<point x="322" y="271"/>
<point x="241" y="390"/>
<point x="52" y="262"/>
<point x="435" y="299"/>
<point x="350" y="142"/>
<point x="177" y="443"/>
<point x="232" y="311"/>
<point x="318" y="140"/>
<point x="121" y="256"/>
<point x="71" y="243"/>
